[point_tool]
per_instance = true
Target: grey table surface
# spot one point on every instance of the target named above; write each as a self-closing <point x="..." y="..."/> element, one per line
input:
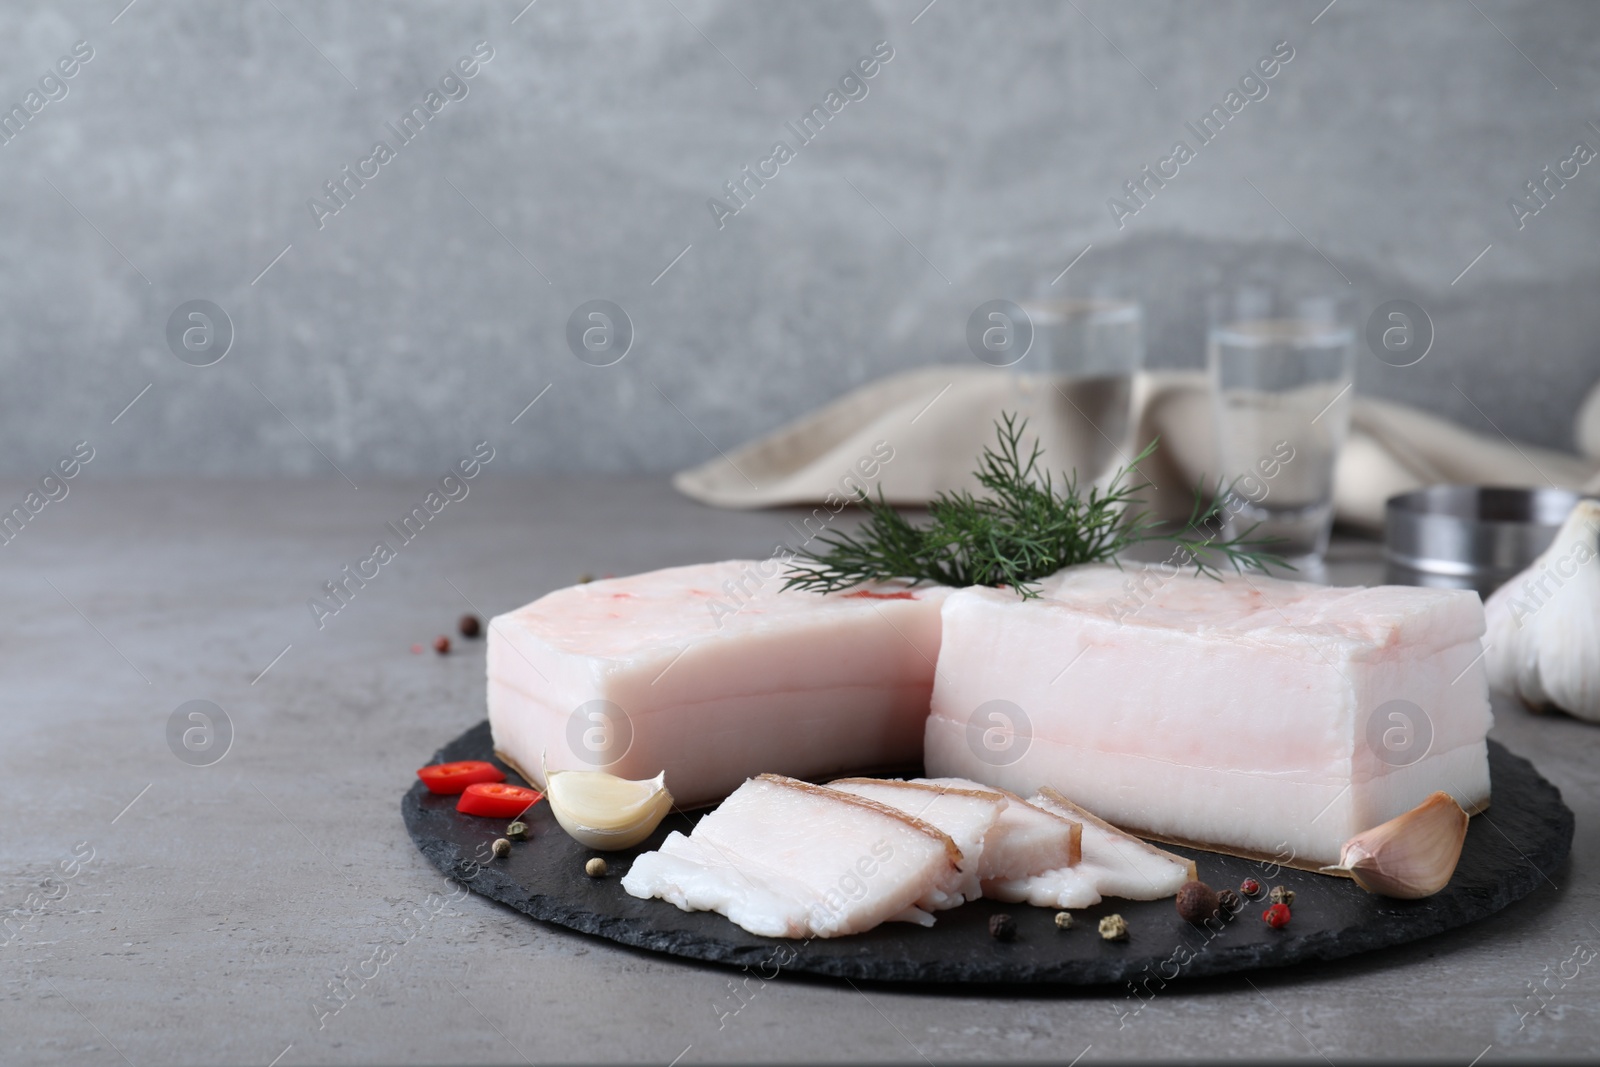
<point x="207" y="914"/>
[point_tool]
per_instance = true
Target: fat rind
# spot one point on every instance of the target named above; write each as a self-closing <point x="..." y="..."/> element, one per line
<point x="968" y="816"/>
<point x="1114" y="864"/>
<point x="1026" y="839"/>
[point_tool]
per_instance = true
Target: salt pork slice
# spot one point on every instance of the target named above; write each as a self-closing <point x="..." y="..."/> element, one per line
<point x="1114" y="864"/>
<point x="1250" y="715"/>
<point x="967" y="815"/>
<point x="784" y="858"/>
<point x="1026" y="839"/>
<point x="712" y="674"/>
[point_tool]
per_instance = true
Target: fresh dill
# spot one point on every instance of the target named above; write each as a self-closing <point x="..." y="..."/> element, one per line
<point x="1027" y="525"/>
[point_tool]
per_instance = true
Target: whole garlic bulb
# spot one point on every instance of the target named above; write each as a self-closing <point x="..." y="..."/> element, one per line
<point x="1543" y="640"/>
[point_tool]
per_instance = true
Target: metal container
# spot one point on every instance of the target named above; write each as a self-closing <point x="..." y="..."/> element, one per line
<point x="1470" y="536"/>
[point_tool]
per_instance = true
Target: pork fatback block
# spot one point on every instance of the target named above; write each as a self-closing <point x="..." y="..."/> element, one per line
<point x="1252" y="715"/>
<point x="711" y="674"/>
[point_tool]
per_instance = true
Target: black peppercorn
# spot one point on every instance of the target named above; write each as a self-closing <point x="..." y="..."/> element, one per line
<point x="469" y="626"/>
<point x="1230" y="903"/>
<point x="1002" y="927"/>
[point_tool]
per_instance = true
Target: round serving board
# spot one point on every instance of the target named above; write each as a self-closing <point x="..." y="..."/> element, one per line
<point x="1502" y="862"/>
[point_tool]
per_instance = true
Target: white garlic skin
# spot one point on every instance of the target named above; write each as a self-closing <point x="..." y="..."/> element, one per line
<point x="1412" y="855"/>
<point x="1543" y="639"/>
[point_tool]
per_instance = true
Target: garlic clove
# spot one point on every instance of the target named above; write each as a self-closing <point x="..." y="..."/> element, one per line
<point x="1543" y="638"/>
<point x="1410" y="856"/>
<point x="604" y="812"/>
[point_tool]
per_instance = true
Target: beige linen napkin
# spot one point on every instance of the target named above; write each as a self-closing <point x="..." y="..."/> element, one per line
<point x="915" y="433"/>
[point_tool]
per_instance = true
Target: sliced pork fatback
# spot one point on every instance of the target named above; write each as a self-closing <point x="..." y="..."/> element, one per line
<point x="784" y="858"/>
<point x="1114" y="864"/>
<point x="713" y="674"/>
<point x="1026" y="839"/>
<point x="967" y="815"/>
<point x="1252" y="715"/>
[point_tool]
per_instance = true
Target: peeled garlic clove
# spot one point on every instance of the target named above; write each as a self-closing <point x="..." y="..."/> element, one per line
<point x="1543" y="638"/>
<point x="604" y="812"/>
<point x="1410" y="856"/>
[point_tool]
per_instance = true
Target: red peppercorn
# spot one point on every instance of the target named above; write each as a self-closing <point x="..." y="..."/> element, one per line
<point x="416" y="648"/>
<point x="1249" y="887"/>
<point x="1276" y="916"/>
<point x="441" y="644"/>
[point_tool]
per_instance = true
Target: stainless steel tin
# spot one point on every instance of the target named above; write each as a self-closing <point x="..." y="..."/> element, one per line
<point x="1470" y="536"/>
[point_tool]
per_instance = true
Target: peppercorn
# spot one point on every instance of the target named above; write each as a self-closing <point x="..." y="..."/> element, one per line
<point x="469" y="626"/>
<point x="441" y="644"/>
<point x="595" y="868"/>
<point x="1281" y="895"/>
<point x="1196" y="902"/>
<point x="501" y="848"/>
<point x="1114" y="928"/>
<point x="1229" y="903"/>
<point x="1277" y="916"/>
<point x="585" y="579"/>
<point x="1063" y="920"/>
<point x="1002" y="927"/>
<point x="1249" y="888"/>
<point x="518" y="831"/>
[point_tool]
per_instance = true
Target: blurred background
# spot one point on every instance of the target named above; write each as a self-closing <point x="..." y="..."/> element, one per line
<point x="180" y="161"/>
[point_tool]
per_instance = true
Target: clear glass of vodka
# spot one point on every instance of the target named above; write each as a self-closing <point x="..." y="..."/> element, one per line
<point x="1281" y="368"/>
<point x="1088" y="350"/>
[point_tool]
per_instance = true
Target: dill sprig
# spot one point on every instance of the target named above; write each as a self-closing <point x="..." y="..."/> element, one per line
<point x="1027" y="525"/>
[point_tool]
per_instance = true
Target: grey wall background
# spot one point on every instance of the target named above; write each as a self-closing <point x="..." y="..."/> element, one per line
<point x="180" y="163"/>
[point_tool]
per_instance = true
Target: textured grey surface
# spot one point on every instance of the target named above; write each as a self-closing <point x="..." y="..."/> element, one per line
<point x="220" y="907"/>
<point x="432" y="308"/>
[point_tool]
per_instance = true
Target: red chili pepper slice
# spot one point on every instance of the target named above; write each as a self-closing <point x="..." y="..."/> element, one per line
<point x="497" y="800"/>
<point x="870" y="595"/>
<point x="452" y="778"/>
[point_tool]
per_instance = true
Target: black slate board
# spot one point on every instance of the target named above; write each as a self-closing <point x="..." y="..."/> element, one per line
<point x="1503" y="860"/>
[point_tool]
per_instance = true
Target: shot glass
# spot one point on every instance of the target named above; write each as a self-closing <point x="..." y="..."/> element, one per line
<point x="1281" y="369"/>
<point x="1090" y="349"/>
